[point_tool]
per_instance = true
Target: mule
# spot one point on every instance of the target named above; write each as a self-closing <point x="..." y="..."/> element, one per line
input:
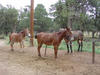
<point x="51" y="39"/>
<point x="77" y="36"/>
<point x="18" y="37"/>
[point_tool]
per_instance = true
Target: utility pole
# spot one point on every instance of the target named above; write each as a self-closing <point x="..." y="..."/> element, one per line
<point x="32" y="22"/>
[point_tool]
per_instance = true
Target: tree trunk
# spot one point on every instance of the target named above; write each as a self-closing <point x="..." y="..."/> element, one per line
<point x="93" y="34"/>
<point x="14" y="28"/>
<point x="70" y="22"/>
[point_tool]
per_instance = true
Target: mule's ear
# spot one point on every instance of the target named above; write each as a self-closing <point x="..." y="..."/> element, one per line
<point x="22" y="32"/>
<point x="67" y="28"/>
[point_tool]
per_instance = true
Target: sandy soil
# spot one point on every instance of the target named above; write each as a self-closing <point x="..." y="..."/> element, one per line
<point x="26" y="62"/>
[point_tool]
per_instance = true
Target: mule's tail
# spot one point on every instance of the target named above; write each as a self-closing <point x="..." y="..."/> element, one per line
<point x="36" y="36"/>
<point x="9" y="39"/>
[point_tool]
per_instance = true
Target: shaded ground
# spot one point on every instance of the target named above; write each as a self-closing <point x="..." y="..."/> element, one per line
<point x="26" y="62"/>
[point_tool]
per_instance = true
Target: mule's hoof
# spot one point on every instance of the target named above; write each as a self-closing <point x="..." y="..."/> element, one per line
<point x="68" y="52"/>
<point x="55" y="57"/>
<point x="45" y="55"/>
<point x="71" y="52"/>
<point x="39" y="55"/>
<point x="12" y="49"/>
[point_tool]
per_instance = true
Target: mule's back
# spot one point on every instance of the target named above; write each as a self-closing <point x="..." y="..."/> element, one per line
<point x="46" y="38"/>
<point x="15" y="37"/>
<point x="78" y="35"/>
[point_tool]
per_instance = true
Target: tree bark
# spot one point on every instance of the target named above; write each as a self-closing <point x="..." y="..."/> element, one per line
<point x="93" y="34"/>
<point x="14" y="28"/>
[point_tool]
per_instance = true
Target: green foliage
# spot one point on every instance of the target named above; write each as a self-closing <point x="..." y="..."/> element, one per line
<point x="59" y="12"/>
<point x="24" y="19"/>
<point x="42" y="21"/>
<point x="96" y="14"/>
<point x="8" y="19"/>
<point x="78" y="14"/>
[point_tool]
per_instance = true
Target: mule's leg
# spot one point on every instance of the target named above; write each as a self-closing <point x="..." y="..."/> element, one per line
<point x="20" y="44"/>
<point x="67" y="47"/>
<point x="39" y="47"/>
<point x="45" y="50"/>
<point x="81" y="45"/>
<point x="11" y="44"/>
<point x="55" y="51"/>
<point x="71" y="46"/>
<point x="78" y="46"/>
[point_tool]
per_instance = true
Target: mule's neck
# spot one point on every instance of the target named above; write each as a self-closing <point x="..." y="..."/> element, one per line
<point x="61" y="35"/>
<point x="23" y="34"/>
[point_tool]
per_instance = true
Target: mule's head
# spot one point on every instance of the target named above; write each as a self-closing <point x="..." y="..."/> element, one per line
<point x="26" y="32"/>
<point x="65" y="31"/>
<point x="69" y="34"/>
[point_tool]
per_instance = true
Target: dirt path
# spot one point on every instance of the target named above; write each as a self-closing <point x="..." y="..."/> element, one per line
<point x="2" y="43"/>
<point x="26" y="62"/>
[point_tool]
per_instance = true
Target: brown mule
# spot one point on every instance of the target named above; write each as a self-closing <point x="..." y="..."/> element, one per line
<point x="18" y="37"/>
<point x="51" y="39"/>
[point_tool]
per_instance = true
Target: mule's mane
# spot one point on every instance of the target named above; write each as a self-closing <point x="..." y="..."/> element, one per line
<point x="60" y="32"/>
<point x="23" y="33"/>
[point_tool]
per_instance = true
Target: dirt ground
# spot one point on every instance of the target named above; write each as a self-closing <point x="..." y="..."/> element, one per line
<point x="26" y="62"/>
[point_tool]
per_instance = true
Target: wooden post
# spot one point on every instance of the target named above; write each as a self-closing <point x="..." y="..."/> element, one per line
<point x="32" y="22"/>
<point x="93" y="52"/>
<point x="45" y="50"/>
